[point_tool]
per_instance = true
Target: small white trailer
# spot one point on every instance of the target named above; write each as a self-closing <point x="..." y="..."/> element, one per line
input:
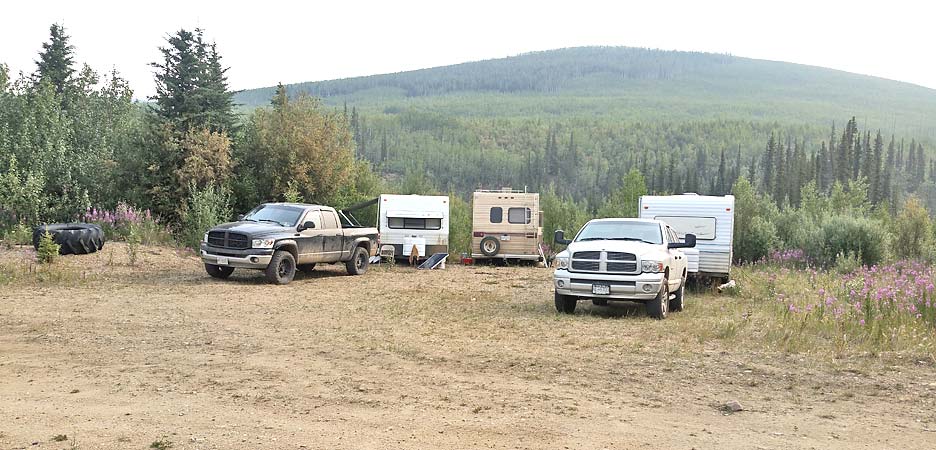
<point x="709" y="218"/>
<point x="405" y="221"/>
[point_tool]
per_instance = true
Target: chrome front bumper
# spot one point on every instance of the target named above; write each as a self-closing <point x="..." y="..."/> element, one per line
<point x="640" y="287"/>
<point x="242" y="259"/>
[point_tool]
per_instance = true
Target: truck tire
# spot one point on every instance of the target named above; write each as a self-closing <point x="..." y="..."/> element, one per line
<point x="565" y="304"/>
<point x="72" y="238"/>
<point x="658" y="307"/>
<point x="490" y="246"/>
<point x="221" y="272"/>
<point x="677" y="303"/>
<point x="359" y="261"/>
<point x="282" y="268"/>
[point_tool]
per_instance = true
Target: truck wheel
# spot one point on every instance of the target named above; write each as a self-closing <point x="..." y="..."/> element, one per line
<point x="677" y="302"/>
<point x="282" y="267"/>
<point x="490" y="246"/>
<point x="306" y="268"/>
<point x="565" y="303"/>
<point x="357" y="265"/>
<point x="600" y="301"/>
<point x="221" y="272"/>
<point x="657" y="307"/>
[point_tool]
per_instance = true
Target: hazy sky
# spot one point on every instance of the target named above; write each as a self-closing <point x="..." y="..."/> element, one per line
<point x="268" y="42"/>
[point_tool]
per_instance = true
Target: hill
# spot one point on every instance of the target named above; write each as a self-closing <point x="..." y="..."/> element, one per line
<point x="634" y="83"/>
<point x="577" y="119"/>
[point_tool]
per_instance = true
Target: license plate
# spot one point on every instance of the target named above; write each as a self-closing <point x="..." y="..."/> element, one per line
<point x="222" y="261"/>
<point x="601" y="289"/>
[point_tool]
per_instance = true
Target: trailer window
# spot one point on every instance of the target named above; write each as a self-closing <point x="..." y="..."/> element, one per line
<point x="497" y="214"/>
<point x="702" y="227"/>
<point x="519" y="215"/>
<point x="410" y="223"/>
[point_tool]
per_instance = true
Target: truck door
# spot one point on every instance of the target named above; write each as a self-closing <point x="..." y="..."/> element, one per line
<point x="310" y="242"/>
<point x="678" y="257"/>
<point x="333" y="235"/>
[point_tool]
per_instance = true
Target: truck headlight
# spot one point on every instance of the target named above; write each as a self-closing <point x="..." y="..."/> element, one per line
<point x="562" y="262"/>
<point x="262" y="243"/>
<point x="205" y="239"/>
<point x="651" y="266"/>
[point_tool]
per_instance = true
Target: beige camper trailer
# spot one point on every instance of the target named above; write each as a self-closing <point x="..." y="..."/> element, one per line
<point x="507" y="224"/>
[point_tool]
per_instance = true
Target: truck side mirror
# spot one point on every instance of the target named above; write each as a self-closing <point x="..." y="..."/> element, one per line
<point x="560" y="239"/>
<point x="240" y="217"/>
<point x="307" y="225"/>
<point x="688" y="242"/>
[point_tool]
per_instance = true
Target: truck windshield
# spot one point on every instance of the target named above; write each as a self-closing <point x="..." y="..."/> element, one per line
<point x="285" y="216"/>
<point x="622" y="231"/>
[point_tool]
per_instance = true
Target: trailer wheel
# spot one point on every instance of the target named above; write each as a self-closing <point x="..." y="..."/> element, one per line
<point x="490" y="246"/>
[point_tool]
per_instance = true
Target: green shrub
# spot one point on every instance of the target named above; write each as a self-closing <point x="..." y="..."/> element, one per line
<point x="844" y="235"/>
<point x="913" y="237"/>
<point x="133" y="245"/>
<point x="18" y="234"/>
<point x="48" y="249"/>
<point x="757" y="241"/>
<point x="204" y="209"/>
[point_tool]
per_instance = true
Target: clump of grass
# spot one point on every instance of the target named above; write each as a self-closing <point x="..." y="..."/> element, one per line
<point x="161" y="444"/>
<point x="133" y="246"/>
<point x="18" y="234"/>
<point x="59" y="438"/>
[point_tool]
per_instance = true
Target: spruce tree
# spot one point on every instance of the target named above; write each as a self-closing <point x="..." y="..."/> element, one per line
<point x="721" y="177"/>
<point x="56" y="60"/>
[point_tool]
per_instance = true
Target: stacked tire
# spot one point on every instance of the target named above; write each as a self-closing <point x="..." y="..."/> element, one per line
<point x="72" y="238"/>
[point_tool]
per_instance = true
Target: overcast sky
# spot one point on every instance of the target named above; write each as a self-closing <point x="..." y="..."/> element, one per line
<point x="269" y="42"/>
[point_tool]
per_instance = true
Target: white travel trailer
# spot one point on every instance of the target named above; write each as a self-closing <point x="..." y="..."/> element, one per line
<point x="709" y="218"/>
<point x="405" y="221"/>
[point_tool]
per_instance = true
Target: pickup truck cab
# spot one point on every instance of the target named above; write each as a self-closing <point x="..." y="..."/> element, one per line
<point x="280" y="238"/>
<point x="622" y="259"/>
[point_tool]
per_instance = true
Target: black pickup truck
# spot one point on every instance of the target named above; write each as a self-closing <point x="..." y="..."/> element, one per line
<point x="280" y="238"/>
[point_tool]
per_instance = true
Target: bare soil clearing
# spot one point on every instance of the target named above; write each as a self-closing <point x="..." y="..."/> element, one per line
<point x="468" y="357"/>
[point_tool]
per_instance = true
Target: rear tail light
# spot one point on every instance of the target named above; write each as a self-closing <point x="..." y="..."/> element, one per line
<point x="478" y="234"/>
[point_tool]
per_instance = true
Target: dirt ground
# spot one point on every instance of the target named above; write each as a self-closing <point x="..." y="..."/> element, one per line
<point x="160" y="355"/>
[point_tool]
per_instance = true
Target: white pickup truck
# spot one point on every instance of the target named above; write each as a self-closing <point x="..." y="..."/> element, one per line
<point x="636" y="260"/>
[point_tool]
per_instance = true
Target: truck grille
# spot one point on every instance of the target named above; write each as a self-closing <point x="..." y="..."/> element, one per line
<point x="600" y="262"/>
<point x="622" y="267"/>
<point x="224" y="239"/>
<point x="620" y="256"/>
<point x="588" y="266"/>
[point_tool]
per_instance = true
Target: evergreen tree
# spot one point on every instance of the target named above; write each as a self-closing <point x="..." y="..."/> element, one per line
<point x="874" y="169"/>
<point x="56" y="60"/>
<point x="721" y="177"/>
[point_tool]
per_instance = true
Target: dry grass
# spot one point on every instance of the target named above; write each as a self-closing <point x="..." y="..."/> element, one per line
<point x="469" y="357"/>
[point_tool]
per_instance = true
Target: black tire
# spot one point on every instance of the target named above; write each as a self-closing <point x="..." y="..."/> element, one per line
<point x="221" y="272"/>
<point x="600" y="301"/>
<point x="306" y="268"/>
<point x="565" y="303"/>
<point x="282" y="268"/>
<point x="359" y="261"/>
<point x="657" y="308"/>
<point x="490" y="246"/>
<point x="678" y="302"/>
<point x="72" y="238"/>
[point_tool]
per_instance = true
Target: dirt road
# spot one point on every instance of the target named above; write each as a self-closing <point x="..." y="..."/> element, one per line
<point x="160" y="355"/>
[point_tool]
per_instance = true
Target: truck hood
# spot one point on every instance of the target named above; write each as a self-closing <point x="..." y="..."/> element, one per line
<point x="255" y="229"/>
<point x="641" y="249"/>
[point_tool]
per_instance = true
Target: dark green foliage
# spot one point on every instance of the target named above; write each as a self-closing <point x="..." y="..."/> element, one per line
<point x="56" y="60"/>
<point x="191" y="86"/>
<point x="849" y="236"/>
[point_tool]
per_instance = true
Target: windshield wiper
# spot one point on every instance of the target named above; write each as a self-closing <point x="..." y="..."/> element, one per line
<point x="592" y="239"/>
<point x="271" y="221"/>
<point x="629" y="239"/>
